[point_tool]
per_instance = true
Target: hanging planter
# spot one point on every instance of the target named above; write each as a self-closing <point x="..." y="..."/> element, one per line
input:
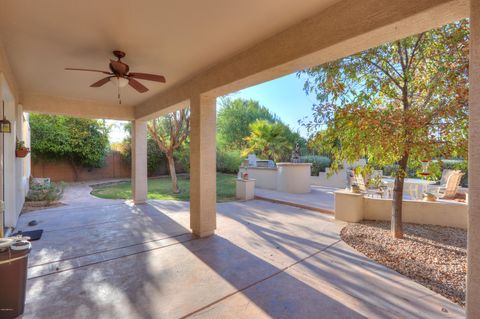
<point x="20" y="150"/>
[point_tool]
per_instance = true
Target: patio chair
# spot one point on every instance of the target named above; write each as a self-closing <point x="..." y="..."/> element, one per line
<point x="356" y="179"/>
<point x="440" y="188"/>
<point x="451" y="186"/>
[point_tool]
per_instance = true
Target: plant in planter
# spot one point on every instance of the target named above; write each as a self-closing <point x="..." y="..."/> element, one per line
<point x="356" y="189"/>
<point x="20" y="149"/>
<point x="429" y="197"/>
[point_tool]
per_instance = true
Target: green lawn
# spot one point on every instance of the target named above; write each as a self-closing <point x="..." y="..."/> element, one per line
<point x="161" y="188"/>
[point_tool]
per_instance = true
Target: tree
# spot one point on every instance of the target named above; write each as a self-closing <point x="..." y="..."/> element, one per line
<point x="82" y="142"/>
<point x="155" y="157"/>
<point x="397" y="103"/>
<point x="274" y="141"/>
<point x="170" y="132"/>
<point x="234" y="118"/>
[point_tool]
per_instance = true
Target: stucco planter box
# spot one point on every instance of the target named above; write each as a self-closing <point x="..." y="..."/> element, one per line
<point x="348" y="206"/>
<point x="245" y="189"/>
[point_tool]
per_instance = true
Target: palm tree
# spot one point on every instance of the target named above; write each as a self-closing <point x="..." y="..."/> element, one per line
<point x="269" y="140"/>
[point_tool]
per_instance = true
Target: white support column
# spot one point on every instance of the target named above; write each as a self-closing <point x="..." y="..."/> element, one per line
<point x="473" y="250"/>
<point x="139" y="162"/>
<point x="203" y="183"/>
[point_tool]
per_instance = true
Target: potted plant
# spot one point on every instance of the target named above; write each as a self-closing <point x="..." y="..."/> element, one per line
<point x="356" y="189"/>
<point x="21" y="150"/>
<point x="429" y="197"/>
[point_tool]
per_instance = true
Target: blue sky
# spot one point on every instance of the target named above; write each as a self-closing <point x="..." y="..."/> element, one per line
<point x="284" y="97"/>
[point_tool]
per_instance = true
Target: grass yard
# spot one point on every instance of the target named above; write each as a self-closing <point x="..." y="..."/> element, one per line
<point x="161" y="188"/>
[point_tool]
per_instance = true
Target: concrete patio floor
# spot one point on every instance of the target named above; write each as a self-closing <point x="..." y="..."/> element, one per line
<point x="265" y="260"/>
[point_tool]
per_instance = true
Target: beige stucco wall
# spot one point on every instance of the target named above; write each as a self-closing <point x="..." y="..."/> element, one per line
<point x="351" y="207"/>
<point x="293" y="178"/>
<point x="348" y="206"/>
<point x="265" y="177"/>
<point x="338" y="179"/>
<point x="440" y="213"/>
<point x="16" y="171"/>
<point x="473" y="245"/>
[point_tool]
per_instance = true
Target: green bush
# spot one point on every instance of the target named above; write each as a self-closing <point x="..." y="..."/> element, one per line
<point x="228" y="161"/>
<point x="319" y="163"/>
<point x="50" y="192"/>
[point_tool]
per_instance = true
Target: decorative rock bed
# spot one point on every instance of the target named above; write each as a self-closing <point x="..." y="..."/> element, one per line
<point x="434" y="256"/>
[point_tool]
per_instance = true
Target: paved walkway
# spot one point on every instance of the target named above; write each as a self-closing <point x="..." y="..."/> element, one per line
<point x="265" y="260"/>
<point x="78" y="194"/>
<point x="319" y="199"/>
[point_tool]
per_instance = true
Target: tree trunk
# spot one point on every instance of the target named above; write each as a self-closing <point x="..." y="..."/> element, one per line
<point x="173" y="173"/>
<point x="396" y="223"/>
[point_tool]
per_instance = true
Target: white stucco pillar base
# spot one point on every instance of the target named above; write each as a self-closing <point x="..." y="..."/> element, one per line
<point x="139" y="162"/>
<point x="203" y="165"/>
<point x="473" y="250"/>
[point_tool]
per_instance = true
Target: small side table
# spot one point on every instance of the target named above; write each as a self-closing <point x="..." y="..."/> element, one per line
<point x="245" y="189"/>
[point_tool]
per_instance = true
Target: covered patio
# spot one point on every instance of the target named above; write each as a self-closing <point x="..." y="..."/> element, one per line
<point x="265" y="260"/>
<point x="280" y="262"/>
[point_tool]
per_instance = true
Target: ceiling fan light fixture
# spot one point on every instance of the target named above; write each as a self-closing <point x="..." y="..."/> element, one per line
<point x="119" y="81"/>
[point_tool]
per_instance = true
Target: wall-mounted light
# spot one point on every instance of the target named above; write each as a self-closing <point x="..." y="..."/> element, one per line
<point x="5" y="126"/>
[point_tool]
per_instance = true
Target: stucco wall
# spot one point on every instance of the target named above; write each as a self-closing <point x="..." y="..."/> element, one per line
<point x="441" y="213"/>
<point x="338" y="179"/>
<point x="351" y="207"/>
<point x="266" y="177"/>
<point x="293" y="178"/>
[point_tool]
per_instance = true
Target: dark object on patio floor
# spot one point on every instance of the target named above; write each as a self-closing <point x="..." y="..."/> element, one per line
<point x="32" y="223"/>
<point x="33" y="234"/>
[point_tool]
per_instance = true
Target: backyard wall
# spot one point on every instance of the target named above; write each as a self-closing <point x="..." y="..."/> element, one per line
<point x="115" y="167"/>
<point x="351" y="207"/>
<point x="336" y="180"/>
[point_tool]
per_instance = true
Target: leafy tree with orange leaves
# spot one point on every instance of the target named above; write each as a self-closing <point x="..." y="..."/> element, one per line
<point x="397" y="103"/>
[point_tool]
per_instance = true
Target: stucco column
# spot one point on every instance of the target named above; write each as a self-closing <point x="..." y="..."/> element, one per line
<point x="139" y="161"/>
<point x="473" y="250"/>
<point x="203" y="165"/>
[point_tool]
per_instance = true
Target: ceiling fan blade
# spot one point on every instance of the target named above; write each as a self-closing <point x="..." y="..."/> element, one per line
<point x="147" y="76"/>
<point x="89" y="70"/>
<point x="137" y="85"/>
<point x="100" y="82"/>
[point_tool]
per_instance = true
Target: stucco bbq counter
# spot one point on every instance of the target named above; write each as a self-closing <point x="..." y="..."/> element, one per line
<point x="293" y="177"/>
<point x="286" y="177"/>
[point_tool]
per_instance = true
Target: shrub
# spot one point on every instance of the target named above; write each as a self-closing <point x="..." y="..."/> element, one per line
<point x="49" y="192"/>
<point x="228" y="161"/>
<point x="319" y="163"/>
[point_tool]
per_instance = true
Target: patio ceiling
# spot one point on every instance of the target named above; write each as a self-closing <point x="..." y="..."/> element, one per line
<point x="214" y="46"/>
<point x="176" y="38"/>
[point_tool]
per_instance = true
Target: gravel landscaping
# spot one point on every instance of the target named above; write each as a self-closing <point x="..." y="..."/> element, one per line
<point x="434" y="256"/>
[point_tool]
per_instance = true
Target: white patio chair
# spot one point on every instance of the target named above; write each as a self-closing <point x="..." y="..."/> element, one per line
<point x="440" y="189"/>
<point x="451" y="187"/>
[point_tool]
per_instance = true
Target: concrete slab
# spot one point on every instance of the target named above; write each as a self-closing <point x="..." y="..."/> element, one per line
<point x="265" y="260"/>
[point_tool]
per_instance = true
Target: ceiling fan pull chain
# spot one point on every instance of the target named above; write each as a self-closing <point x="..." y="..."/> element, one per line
<point x="119" y="99"/>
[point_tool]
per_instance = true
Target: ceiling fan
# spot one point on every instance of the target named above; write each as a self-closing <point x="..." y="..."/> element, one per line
<point x="120" y="74"/>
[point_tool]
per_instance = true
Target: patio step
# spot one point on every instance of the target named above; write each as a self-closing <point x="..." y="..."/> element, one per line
<point x="298" y="205"/>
